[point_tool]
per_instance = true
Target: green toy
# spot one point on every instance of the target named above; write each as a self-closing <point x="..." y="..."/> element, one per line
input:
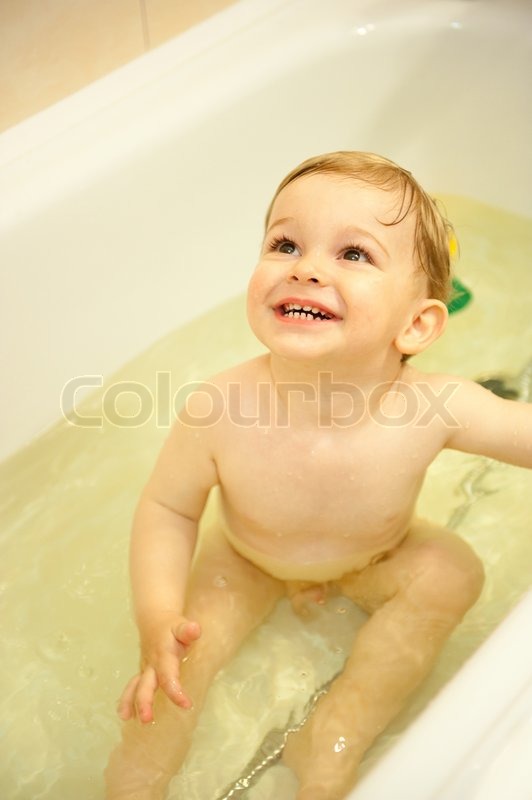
<point x="461" y="296"/>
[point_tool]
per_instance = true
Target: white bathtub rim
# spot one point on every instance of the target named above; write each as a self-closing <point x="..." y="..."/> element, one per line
<point x="39" y="157"/>
<point x="447" y="742"/>
<point x="102" y="93"/>
<point x="135" y="75"/>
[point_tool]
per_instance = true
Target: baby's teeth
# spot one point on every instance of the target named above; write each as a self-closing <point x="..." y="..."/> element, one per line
<point x="305" y="312"/>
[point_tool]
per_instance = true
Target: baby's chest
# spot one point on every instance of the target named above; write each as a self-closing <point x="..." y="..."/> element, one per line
<point x="271" y="473"/>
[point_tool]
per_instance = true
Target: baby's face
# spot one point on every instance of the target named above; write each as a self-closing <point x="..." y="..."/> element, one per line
<point x="334" y="279"/>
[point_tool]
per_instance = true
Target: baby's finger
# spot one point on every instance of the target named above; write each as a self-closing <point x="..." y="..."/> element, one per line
<point x="171" y="686"/>
<point x="145" y="693"/>
<point x="126" y="703"/>
<point x="186" y="632"/>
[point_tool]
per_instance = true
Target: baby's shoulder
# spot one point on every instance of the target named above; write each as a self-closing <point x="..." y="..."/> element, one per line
<point x="245" y="374"/>
<point x="454" y="393"/>
<point x="437" y="381"/>
<point x="225" y="404"/>
<point x="212" y="398"/>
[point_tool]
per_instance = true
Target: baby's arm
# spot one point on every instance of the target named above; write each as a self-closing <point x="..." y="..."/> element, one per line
<point x="489" y="425"/>
<point x="162" y="545"/>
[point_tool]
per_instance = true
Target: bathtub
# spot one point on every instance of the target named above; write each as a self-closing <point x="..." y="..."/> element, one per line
<point x="136" y="205"/>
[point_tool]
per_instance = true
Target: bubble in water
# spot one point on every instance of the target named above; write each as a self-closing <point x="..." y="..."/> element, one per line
<point x="55" y="714"/>
<point x="58" y="647"/>
<point x="340" y="745"/>
<point x="341" y="610"/>
<point x="220" y="582"/>
<point x="85" y="671"/>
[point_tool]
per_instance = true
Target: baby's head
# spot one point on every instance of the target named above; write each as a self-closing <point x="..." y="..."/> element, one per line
<point x="432" y="232"/>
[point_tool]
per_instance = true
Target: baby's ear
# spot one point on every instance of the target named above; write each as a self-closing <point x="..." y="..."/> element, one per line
<point x="424" y="327"/>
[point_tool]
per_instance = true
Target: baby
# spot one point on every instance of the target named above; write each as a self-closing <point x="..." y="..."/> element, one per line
<point x="318" y="448"/>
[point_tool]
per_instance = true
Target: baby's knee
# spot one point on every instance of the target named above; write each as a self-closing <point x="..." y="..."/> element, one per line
<point x="449" y="575"/>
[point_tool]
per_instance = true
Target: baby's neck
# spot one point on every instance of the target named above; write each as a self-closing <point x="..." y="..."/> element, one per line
<point x="318" y="394"/>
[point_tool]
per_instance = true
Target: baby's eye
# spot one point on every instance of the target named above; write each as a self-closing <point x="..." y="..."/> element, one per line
<point x="284" y="246"/>
<point x="287" y="247"/>
<point x="357" y="254"/>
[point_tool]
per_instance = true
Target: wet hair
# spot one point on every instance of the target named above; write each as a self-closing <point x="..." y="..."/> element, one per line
<point x="433" y="232"/>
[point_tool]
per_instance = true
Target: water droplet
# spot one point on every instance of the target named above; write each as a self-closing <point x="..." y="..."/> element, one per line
<point x="341" y="610"/>
<point x="220" y="582"/>
<point x="340" y="745"/>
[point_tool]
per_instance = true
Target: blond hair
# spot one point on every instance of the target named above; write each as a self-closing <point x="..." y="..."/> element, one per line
<point x="433" y="232"/>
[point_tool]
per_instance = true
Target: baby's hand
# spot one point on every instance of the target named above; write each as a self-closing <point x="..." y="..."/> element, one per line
<point x="162" y="650"/>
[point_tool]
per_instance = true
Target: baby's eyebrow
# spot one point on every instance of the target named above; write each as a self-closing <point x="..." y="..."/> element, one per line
<point x="355" y="231"/>
<point x="281" y="221"/>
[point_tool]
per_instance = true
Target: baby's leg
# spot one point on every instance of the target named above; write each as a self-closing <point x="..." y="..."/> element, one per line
<point x="229" y="597"/>
<point x="416" y="596"/>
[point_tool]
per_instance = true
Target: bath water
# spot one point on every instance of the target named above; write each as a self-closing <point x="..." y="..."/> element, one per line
<point x="69" y="644"/>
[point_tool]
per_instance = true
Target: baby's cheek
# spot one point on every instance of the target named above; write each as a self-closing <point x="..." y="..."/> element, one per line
<point x="254" y="288"/>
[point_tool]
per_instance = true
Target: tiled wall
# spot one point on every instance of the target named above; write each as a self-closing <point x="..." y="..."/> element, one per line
<point x="50" y="48"/>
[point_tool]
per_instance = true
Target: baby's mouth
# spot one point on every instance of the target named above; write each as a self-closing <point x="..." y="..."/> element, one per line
<point x="295" y="311"/>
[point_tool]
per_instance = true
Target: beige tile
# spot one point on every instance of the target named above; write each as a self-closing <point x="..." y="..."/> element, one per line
<point x="167" y="18"/>
<point x="50" y="48"/>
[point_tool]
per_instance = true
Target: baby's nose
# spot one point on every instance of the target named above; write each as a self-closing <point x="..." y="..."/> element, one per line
<point x="308" y="279"/>
<point x="306" y="271"/>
